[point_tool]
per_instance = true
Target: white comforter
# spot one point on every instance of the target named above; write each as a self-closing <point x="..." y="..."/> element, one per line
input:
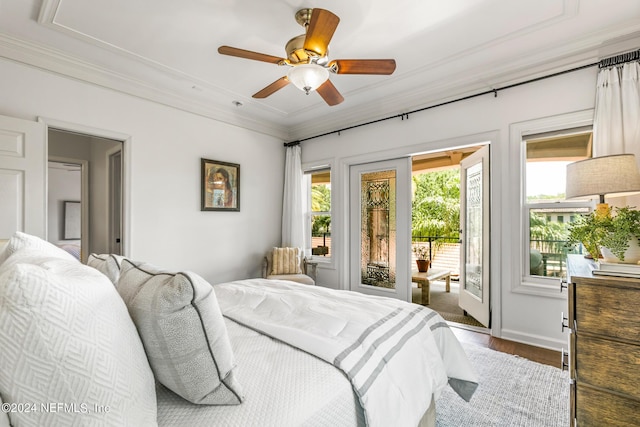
<point x="396" y="354"/>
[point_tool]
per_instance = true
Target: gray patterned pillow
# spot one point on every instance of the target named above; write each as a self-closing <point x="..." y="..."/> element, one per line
<point x="107" y="264"/>
<point x="183" y="332"/>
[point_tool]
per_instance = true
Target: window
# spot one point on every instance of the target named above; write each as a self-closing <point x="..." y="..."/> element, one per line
<point x="547" y="213"/>
<point x="320" y="212"/>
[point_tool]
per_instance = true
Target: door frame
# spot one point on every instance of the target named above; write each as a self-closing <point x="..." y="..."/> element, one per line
<point x="115" y="189"/>
<point x="84" y="199"/>
<point x="340" y="221"/>
<point x="126" y="166"/>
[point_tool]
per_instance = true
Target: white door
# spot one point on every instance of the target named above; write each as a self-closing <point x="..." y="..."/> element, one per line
<point x="23" y="164"/>
<point x="474" y="221"/>
<point x="380" y="224"/>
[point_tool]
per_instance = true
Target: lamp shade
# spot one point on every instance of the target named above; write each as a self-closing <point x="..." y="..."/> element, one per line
<point x="603" y="176"/>
<point x="308" y="77"/>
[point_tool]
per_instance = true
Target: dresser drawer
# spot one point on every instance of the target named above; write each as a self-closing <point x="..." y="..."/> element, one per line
<point x="607" y="310"/>
<point x="596" y="408"/>
<point x="608" y="364"/>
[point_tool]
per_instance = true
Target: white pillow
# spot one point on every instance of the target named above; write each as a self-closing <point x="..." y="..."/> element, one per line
<point x="183" y="332"/>
<point x="4" y="417"/>
<point x="66" y="337"/>
<point x="22" y="240"/>
<point x="107" y="264"/>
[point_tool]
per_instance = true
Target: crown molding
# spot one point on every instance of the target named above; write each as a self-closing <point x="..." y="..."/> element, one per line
<point x="529" y="65"/>
<point x="56" y="62"/>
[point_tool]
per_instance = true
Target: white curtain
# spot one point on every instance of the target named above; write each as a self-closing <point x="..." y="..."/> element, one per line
<point x="616" y="128"/>
<point x="294" y="200"/>
<point x="616" y="125"/>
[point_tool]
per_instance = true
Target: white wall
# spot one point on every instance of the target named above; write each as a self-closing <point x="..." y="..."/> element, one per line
<point x="167" y="226"/>
<point x="523" y="317"/>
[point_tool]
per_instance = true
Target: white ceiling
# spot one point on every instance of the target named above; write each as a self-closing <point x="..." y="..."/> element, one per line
<point x="166" y="50"/>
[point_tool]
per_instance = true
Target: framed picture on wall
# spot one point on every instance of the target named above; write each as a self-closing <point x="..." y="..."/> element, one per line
<point x="72" y="220"/>
<point x="220" y="186"/>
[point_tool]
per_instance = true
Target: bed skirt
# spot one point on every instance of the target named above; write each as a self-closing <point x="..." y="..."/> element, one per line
<point x="429" y="417"/>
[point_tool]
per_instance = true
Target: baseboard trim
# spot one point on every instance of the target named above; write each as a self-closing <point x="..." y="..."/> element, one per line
<point x="535" y="340"/>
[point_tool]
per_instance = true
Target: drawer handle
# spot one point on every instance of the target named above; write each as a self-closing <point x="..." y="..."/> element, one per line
<point x="563" y="285"/>
<point x="565" y="322"/>
<point x="564" y="357"/>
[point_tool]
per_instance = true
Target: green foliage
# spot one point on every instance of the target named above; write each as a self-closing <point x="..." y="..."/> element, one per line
<point x="596" y="230"/>
<point x="551" y="234"/>
<point x="590" y="230"/>
<point x="320" y="224"/>
<point x="320" y="202"/>
<point x="436" y="204"/>
<point x="320" y="198"/>
<point x="622" y="227"/>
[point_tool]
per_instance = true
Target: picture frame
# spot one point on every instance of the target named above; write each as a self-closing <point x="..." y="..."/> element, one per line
<point x="72" y="220"/>
<point x="220" y="183"/>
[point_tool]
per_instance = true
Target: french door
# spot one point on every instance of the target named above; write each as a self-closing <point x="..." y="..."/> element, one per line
<point x="474" y="221"/>
<point x="380" y="228"/>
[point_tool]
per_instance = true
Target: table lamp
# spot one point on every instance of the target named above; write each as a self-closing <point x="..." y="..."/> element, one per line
<point x="603" y="176"/>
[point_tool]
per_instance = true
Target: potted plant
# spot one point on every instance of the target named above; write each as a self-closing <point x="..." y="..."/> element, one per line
<point x="422" y="257"/>
<point x="590" y="230"/>
<point x="621" y="241"/>
<point x="613" y="236"/>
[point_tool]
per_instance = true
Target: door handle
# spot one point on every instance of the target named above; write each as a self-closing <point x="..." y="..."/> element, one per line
<point x="564" y="362"/>
<point x="563" y="285"/>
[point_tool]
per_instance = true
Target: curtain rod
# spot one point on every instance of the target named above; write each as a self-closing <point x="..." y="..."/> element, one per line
<point x="404" y="116"/>
<point x="620" y="59"/>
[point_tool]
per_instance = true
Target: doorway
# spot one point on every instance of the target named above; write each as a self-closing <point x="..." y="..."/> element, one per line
<point x="99" y="191"/>
<point x="447" y="199"/>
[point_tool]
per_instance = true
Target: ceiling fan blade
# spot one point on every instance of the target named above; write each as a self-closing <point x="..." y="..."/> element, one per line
<point x="363" y="66"/>
<point x="247" y="54"/>
<point x="329" y="93"/>
<point x="273" y="87"/>
<point x="321" y="28"/>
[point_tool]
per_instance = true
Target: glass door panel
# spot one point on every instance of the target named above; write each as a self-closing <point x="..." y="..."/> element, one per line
<point x="378" y="229"/>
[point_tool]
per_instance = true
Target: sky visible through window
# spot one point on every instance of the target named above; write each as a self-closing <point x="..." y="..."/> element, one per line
<point x="546" y="179"/>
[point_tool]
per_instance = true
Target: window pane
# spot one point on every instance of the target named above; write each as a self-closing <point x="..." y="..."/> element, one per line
<point x="545" y="174"/>
<point x="547" y="160"/>
<point x="321" y="213"/>
<point x="321" y="235"/>
<point x="546" y="181"/>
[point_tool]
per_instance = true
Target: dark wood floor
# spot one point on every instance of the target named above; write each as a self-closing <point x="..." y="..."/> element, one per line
<point x="537" y="354"/>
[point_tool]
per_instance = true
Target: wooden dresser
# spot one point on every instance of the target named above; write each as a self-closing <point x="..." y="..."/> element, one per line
<point x="604" y="347"/>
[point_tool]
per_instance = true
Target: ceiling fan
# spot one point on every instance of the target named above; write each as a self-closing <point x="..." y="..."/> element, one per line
<point x="307" y="55"/>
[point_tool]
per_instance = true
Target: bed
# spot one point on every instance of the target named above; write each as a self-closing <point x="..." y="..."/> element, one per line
<point x="288" y="354"/>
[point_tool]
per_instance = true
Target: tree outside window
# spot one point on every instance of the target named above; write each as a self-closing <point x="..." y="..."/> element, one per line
<point x="320" y="192"/>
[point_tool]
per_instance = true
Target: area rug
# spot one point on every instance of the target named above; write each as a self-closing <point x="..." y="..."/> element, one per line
<point x="513" y="392"/>
<point x="445" y="303"/>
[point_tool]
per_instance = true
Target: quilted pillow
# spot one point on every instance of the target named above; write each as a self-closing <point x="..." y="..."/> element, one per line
<point x="4" y="418"/>
<point x="183" y="332"/>
<point x="107" y="264"/>
<point x="285" y="261"/>
<point x="22" y="240"/>
<point x="66" y="337"/>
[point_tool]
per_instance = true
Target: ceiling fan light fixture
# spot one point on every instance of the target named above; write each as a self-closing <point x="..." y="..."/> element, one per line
<point x="308" y="77"/>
